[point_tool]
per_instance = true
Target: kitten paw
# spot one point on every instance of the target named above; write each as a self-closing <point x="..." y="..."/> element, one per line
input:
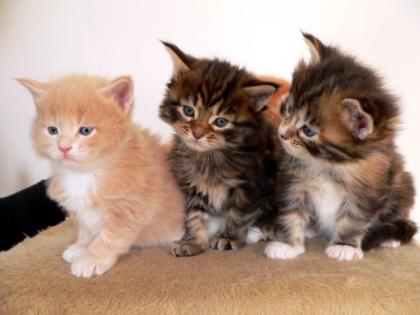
<point x="86" y="266"/>
<point x="73" y="252"/>
<point x="186" y="248"/>
<point x="254" y="235"/>
<point x="390" y="244"/>
<point x="344" y="252"/>
<point x="279" y="250"/>
<point x="226" y="243"/>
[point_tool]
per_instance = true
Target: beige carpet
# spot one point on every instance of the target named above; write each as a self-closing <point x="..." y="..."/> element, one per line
<point x="35" y="280"/>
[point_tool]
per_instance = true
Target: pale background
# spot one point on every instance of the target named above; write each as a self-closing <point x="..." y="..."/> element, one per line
<point x="43" y="39"/>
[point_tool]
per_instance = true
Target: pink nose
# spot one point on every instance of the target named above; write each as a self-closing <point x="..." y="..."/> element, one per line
<point x="64" y="149"/>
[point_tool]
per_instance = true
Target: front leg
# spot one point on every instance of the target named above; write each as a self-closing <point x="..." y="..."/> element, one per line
<point x="115" y="238"/>
<point x="242" y="212"/>
<point x="195" y="239"/>
<point x="235" y="230"/>
<point x="294" y="226"/>
<point x="350" y="227"/>
<point x="292" y="221"/>
<point x="84" y="237"/>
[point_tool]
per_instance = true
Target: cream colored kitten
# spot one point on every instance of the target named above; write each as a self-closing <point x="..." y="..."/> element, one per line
<point x="111" y="176"/>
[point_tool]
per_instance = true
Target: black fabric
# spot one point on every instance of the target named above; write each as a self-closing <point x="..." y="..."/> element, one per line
<point x="25" y="213"/>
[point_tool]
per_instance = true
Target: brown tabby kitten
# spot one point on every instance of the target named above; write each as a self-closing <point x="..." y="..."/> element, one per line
<point x="222" y="151"/>
<point x="341" y="175"/>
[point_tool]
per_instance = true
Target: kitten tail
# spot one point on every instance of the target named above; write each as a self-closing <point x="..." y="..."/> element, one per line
<point x="401" y="230"/>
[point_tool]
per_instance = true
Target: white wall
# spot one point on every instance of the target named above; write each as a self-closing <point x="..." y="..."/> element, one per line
<point x="47" y="38"/>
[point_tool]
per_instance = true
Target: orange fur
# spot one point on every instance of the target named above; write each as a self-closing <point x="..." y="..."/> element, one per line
<point x="115" y="182"/>
<point x="273" y="107"/>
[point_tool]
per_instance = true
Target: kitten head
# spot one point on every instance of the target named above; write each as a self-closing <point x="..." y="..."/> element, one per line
<point x="337" y="109"/>
<point x="81" y="120"/>
<point x="212" y="104"/>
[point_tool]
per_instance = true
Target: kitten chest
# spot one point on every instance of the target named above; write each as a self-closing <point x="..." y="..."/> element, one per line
<point x="326" y="198"/>
<point x="77" y="190"/>
<point x="216" y="192"/>
<point x="216" y="195"/>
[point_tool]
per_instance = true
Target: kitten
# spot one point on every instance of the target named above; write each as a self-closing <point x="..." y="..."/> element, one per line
<point x="341" y="176"/>
<point x="110" y="175"/>
<point x="222" y="153"/>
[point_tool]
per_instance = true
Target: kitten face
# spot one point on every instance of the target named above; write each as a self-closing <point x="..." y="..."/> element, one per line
<point x="65" y="141"/>
<point x="317" y="131"/>
<point x="80" y="120"/>
<point x="211" y="104"/>
<point x="337" y="109"/>
<point x="203" y="128"/>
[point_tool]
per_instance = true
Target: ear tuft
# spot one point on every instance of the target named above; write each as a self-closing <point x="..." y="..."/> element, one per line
<point x="36" y="88"/>
<point x="317" y="49"/>
<point x="121" y="90"/>
<point x="181" y="61"/>
<point x="261" y="93"/>
<point x="359" y="122"/>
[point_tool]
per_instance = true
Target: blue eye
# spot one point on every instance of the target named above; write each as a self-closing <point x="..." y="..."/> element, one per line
<point x="85" y="131"/>
<point x="221" y="122"/>
<point x="308" y="131"/>
<point x="52" y="130"/>
<point x="188" y="111"/>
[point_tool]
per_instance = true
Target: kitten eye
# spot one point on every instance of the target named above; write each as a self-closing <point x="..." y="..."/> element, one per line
<point x="308" y="131"/>
<point x="188" y="111"/>
<point x="221" y="122"/>
<point x="52" y="130"/>
<point x="85" y="131"/>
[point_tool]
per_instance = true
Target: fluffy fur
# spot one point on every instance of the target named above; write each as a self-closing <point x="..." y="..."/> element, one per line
<point x="34" y="281"/>
<point x="223" y="169"/>
<point x="340" y="174"/>
<point x="110" y="175"/>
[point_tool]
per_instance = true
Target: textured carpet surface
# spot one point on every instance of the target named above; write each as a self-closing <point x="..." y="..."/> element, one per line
<point x="35" y="280"/>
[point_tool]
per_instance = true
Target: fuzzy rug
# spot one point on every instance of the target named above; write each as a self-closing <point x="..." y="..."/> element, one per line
<point x="35" y="280"/>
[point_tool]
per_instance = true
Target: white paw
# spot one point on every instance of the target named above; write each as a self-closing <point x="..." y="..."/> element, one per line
<point x="344" y="252"/>
<point x="279" y="250"/>
<point x="73" y="252"/>
<point x="254" y="235"/>
<point x="391" y="244"/>
<point x="86" y="266"/>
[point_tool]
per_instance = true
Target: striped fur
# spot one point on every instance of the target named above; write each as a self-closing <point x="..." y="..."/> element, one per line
<point x="341" y="173"/>
<point x="223" y="171"/>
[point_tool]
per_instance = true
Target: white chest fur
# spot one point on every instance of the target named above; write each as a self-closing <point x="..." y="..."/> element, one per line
<point x="327" y="198"/>
<point x="78" y="189"/>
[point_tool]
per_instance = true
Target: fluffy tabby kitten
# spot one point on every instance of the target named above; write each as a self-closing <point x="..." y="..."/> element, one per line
<point x="341" y="176"/>
<point x="222" y="151"/>
<point x="110" y="175"/>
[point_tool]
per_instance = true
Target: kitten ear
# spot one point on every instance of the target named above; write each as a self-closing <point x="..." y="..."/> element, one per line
<point x="182" y="62"/>
<point x="121" y="90"/>
<point x="317" y="49"/>
<point x="261" y="93"/>
<point x="36" y="88"/>
<point x="359" y="122"/>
